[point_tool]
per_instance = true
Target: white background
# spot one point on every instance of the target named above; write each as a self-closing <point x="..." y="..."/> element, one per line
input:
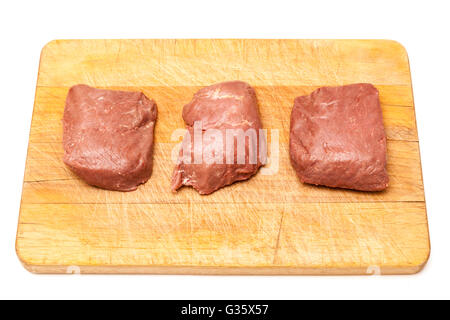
<point x="421" y="26"/>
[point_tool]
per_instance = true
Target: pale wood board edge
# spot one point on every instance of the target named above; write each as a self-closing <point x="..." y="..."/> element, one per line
<point x="420" y="158"/>
<point x="238" y="271"/>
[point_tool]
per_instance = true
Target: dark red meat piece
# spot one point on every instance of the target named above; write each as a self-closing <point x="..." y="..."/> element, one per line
<point x="337" y="138"/>
<point x="223" y="106"/>
<point x="108" y="136"/>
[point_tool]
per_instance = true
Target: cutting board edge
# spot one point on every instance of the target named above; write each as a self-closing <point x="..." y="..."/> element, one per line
<point x="237" y="271"/>
<point x="398" y="269"/>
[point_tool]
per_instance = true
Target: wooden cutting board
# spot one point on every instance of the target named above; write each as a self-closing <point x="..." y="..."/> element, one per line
<point x="271" y="224"/>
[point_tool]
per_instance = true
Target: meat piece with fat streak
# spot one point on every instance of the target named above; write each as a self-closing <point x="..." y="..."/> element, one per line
<point x="337" y="138"/>
<point x="223" y="142"/>
<point x="108" y="136"/>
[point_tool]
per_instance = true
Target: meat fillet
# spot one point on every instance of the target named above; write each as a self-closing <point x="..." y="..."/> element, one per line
<point x="108" y="136"/>
<point x="337" y="138"/>
<point x="223" y="143"/>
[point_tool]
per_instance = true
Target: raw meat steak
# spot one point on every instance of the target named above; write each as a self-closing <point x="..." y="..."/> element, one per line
<point x="108" y="136"/>
<point x="229" y="109"/>
<point x="337" y="138"/>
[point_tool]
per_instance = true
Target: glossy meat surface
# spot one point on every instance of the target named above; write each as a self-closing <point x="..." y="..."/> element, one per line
<point x="227" y="109"/>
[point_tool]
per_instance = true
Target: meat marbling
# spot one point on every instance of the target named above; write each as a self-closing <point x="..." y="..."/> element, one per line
<point x="337" y="138"/>
<point x="225" y="107"/>
<point x="108" y="136"/>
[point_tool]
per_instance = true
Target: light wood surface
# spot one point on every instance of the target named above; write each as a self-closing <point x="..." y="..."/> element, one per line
<point x="271" y="224"/>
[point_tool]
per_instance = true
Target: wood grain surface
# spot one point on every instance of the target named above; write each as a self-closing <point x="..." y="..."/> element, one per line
<point x="271" y="224"/>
